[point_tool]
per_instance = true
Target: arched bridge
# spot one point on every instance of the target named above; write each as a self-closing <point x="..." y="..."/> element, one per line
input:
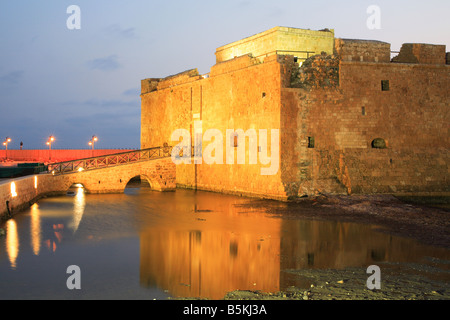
<point x="111" y="173"/>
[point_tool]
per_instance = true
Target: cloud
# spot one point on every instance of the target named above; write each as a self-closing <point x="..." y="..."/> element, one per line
<point x="116" y="30"/>
<point x="114" y="106"/>
<point x="104" y="64"/>
<point x="109" y="103"/>
<point x="135" y="92"/>
<point x="244" y="4"/>
<point x="12" y="77"/>
<point x="124" y="119"/>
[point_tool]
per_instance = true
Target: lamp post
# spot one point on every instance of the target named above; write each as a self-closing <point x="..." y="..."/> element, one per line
<point x="49" y="143"/>
<point x="92" y="142"/>
<point x="5" y="143"/>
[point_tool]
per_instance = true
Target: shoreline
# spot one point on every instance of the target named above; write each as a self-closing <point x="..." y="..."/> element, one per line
<point x="424" y="219"/>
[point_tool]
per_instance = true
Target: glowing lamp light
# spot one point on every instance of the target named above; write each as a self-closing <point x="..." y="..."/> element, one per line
<point x="35" y="182"/>
<point x="80" y="169"/>
<point x="13" y="190"/>
<point x="5" y="143"/>
<point x="92" y="141"/>
<point x="50" y="140"/>
<point x="49" y="143"/>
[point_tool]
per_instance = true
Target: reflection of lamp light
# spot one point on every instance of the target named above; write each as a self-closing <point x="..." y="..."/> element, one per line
<point x="35" y="229"/>
<point x="12" y="242"/>
<point x="78" y="210"/>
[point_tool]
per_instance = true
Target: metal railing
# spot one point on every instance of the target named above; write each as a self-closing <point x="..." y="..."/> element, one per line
<point x="110" y="160"/>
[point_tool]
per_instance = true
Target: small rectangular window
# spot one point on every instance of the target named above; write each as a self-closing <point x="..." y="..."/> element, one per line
<point x="311" y="142"/>
<point x="363" y="111"/>
<point x="234" y="138"/>
<point x="385" y="85"/>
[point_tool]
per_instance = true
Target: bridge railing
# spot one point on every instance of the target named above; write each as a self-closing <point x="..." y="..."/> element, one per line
<point x="110" y="160"/>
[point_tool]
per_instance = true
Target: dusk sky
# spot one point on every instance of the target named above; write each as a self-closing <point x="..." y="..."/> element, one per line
<point x="76" y="83"/>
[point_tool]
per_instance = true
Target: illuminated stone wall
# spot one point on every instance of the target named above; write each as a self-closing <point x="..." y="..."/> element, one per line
<point x="300" y="43"/>
<point x="363" y="50"/>
<point x="238" y="94"/>
<point x="360" y="124"/>
<point x="403" y="105"/>
<point x="17" y="194"/>
<point x="421" y="53"/>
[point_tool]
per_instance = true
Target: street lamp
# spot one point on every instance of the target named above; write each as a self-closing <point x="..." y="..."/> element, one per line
<point x="5" y="143"/>
<point x="92" y="142"/>
<point x="49" y="143"/>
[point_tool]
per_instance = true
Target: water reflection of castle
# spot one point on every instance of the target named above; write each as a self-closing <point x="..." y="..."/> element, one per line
<point x="212" y="260"/>
<point x="204" y="244"/>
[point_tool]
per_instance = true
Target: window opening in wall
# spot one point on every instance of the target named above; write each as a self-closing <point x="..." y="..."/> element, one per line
<point x="295" y="59"/>
<point x="363" y="111"/>
<point x="379" y="143"/>
<point x="385" y="85"/>
<point x="263" y="94"/>
<point x="311" y="142"/>
<point x="234" y="140"/>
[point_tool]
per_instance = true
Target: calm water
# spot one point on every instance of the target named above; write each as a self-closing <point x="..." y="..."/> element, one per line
<point x="151" y="245"/>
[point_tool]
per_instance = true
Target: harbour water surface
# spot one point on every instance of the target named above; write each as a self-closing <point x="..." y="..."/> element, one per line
<point x="150" y="245"/>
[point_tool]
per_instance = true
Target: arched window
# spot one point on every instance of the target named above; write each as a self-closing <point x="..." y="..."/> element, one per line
<point x="379" y="143"/>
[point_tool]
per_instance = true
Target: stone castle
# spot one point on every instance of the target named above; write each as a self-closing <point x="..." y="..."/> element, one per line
<point x="351" y="118"/>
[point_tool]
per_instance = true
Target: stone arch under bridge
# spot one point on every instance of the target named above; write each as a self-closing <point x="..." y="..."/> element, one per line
<point x="160" y="173"/>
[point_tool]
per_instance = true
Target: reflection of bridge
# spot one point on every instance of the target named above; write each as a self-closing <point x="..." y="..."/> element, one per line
<point x="111" y="173"/>
<point x="102" y="174"/>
